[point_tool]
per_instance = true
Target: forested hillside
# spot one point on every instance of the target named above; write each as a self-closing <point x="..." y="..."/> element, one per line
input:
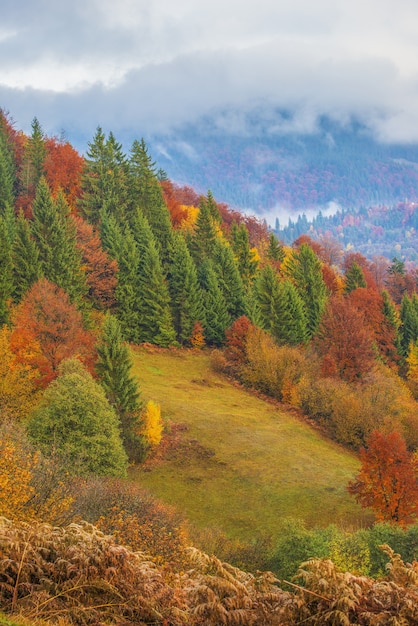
<point x="266" y="166"/>
<point x="101" y="253"/>
<point x="389" y="231"/>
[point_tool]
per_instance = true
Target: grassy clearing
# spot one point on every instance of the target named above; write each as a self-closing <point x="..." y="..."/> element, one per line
<point x="239" y="463"/>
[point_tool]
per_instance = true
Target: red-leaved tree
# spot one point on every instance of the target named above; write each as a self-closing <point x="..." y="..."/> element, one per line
<point x="47" y="329"/>
<point x="100" y="268"/>
<point x="388" y="479"/>
<point x="344" y="342"/>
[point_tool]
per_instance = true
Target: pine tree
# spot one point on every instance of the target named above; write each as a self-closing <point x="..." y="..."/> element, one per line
<point x="247" y="265"/>
<point x="105" y="181"/>
<point x="275" y="250"/>
<point x="186" y="295"/>
<point x="26" y="264"/>
<point x="128" y="291"/>
<point x="32" y="168"/>
<point x="6" y="270"/>
<point x="155" y="319"/>
<point x="7" y="168"/>
<point x="229" y="279"/>
<point x="290" y="324"/>
<point x="55" y="237"/>
<point x="217" y="318"/>
<point x="408" y="331"/>
<point x="266" y="290"/>
<point x="147" y="195"/>
<point x="354" y="278"/>
<point x="114" y="369"/>
<point x="304" y="268"/>
<point x="204" y="237"/>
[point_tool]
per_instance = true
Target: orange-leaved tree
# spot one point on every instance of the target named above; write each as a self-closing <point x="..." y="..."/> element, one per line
<point x="344" y="341"/>
<point x="388" y="479"/>
<point x="18" y="394"/>
<point x="52" y="329"/>
<point x="63" y="167"/>
<point x="100" y="268"/>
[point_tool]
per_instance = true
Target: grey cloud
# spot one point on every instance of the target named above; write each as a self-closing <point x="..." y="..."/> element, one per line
<point x="176" y="62"/>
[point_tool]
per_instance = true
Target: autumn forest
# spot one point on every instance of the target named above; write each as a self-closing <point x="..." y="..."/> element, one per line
<point x="102" y="256"/>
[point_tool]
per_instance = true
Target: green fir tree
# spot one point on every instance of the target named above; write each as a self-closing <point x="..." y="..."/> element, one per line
<point x="185" y="292"/>
<point x="114" y="369"/>
<point x="26" y="264"/>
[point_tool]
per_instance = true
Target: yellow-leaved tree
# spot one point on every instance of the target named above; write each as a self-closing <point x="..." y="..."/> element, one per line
<point x="152" y="424"/>
<point x="30" y="485"/>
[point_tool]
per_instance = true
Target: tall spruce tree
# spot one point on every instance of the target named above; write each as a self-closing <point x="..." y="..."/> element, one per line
<point x="204" y="237"/>
<point x="105" y="180"/>
<point x="6" y="269"/>
<point x="275" y="250"/>
<point x="26" y="264"/>
<point x="146" y="193"/>
<point x="155" y="318"/>
<point x="217" y="318"/>
<point x="354" y="278"/>
<point x="7" y="167"/>
<point x="229" y="279"/>
<point x="128" y="291"/>
<point x="290" y="322"/>
<point x="114" y="369"/>
<point x="55" y="236"/>
<point x="408" y="331"/>
<point x="266" y="289"/>
<point x="247" y="264"/>
<point x="185" y="292"/>
<point x="304" y="268"/>
<point x="33" y="162"/>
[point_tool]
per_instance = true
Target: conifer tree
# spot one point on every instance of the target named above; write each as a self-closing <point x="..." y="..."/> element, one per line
<point x="247" y="265"/>
<point x="354" y="278"/>
<point x="6" y="270"/>
<point x="304" y="269"/>
<point x="275" y="250"/>
<point x="290" y="324"/>
<point x="114" y="369"/>
<point x="7" y="168"/>
<point x="147" y="195"/>
<point x="155" y="319"/>
<point x="105" y="181"/>
<point x="229" y="279"/>
<point x="217" y="318"/>
<point x="128" y="291"/>
<point x="266" y="289"/>
<point x="185" y="292"/>
<point x="111" y="233"/>
<point x="32" y="168"/>
<point x="55" y="237"/>
<point x="204" y="237"/>
<point x="408" y="330"/>
<point x="26" y="264"/>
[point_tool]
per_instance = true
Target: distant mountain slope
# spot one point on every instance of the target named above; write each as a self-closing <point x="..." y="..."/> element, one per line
<point x="262" y="168"/>
<point x="378" y="230"/>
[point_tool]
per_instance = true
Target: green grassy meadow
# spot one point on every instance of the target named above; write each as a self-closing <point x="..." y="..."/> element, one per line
<point x="237" y="462"/>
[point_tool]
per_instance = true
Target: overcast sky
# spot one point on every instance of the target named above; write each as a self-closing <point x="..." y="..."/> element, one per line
<point x="144" y="66"/>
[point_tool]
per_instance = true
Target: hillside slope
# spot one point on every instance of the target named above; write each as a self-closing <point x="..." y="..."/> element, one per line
<point x="238" y="462"/>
